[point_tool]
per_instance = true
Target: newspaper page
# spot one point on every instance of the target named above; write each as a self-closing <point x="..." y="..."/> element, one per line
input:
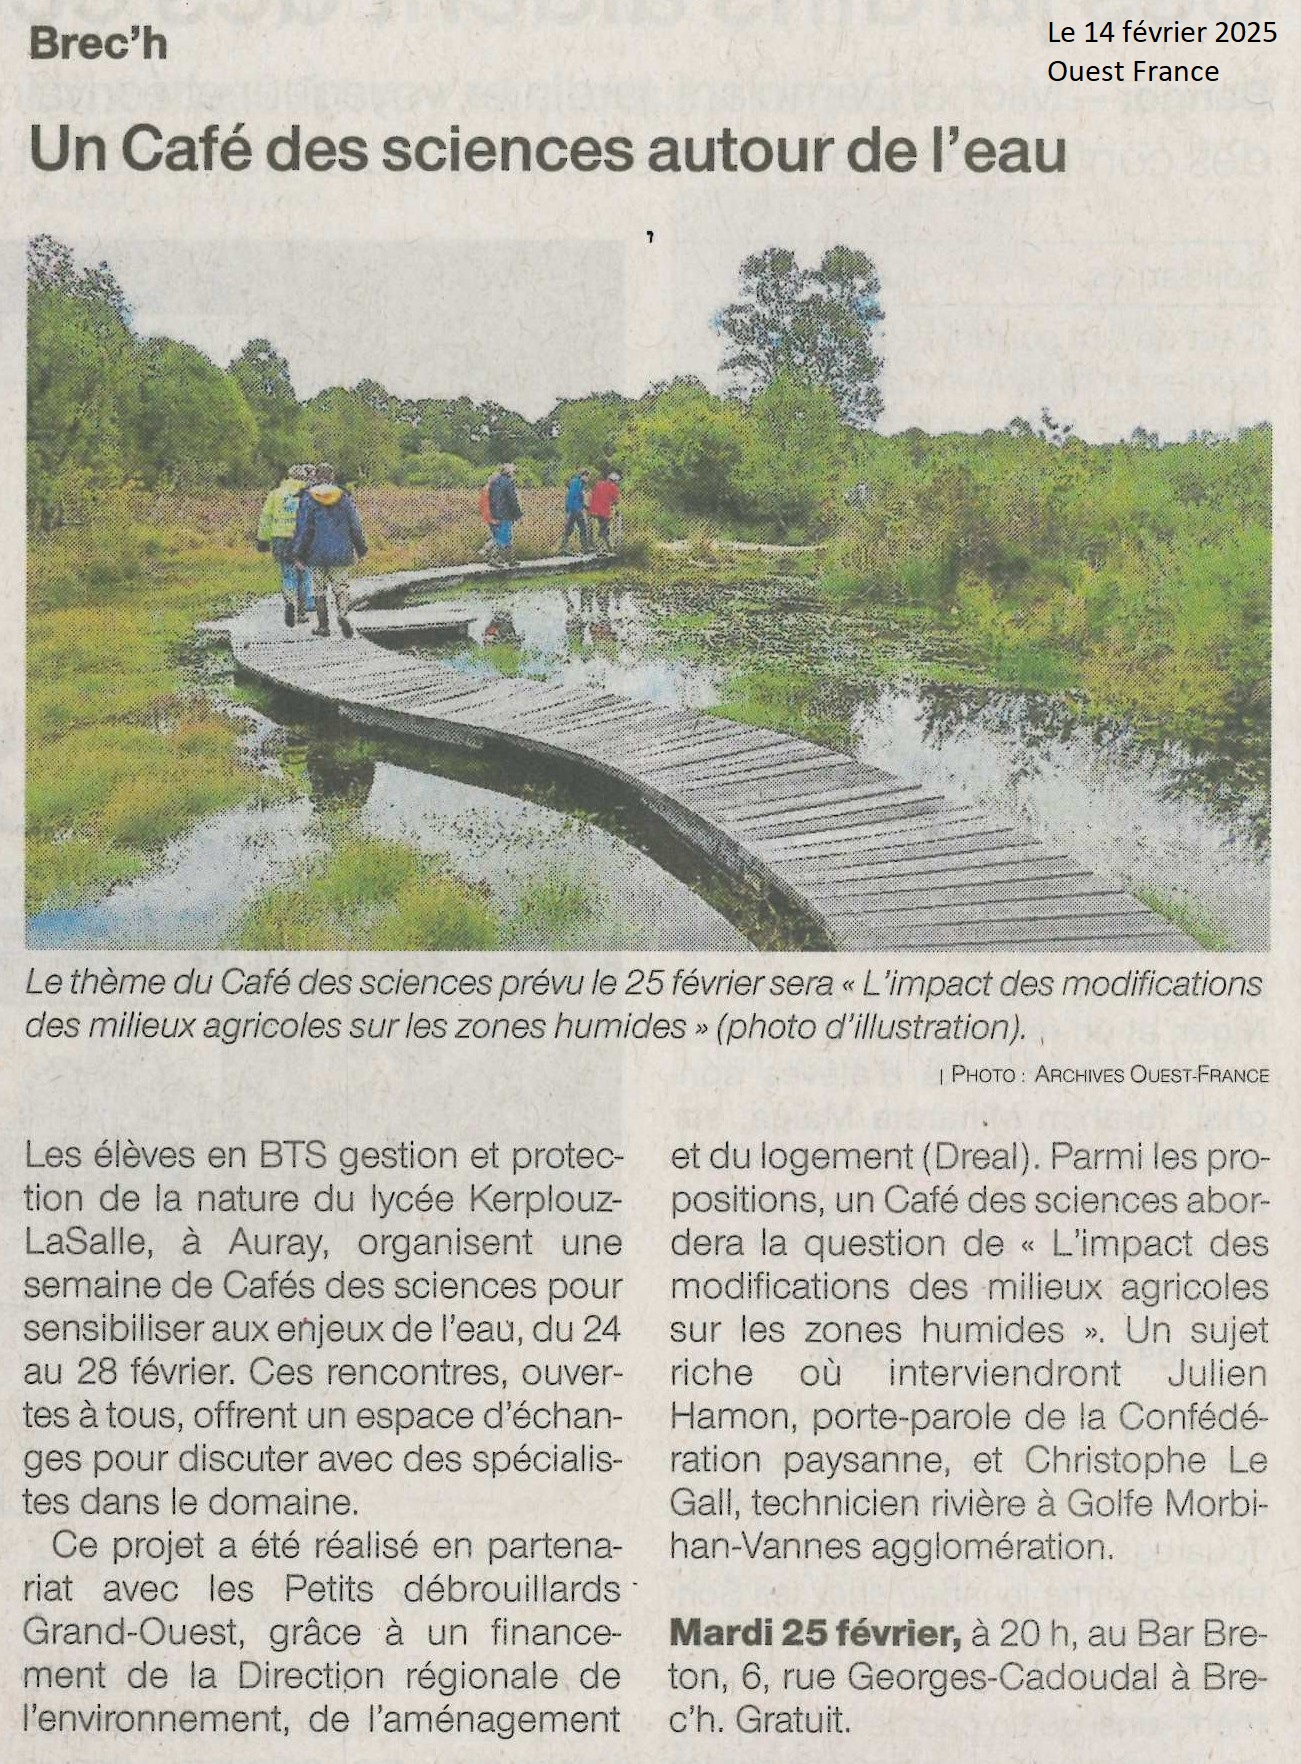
<point x="646" y="1052"/>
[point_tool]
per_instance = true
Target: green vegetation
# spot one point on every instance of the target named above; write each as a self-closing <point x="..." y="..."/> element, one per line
<point x="1195" y="924"/>
<point x="782" y="697"/>
<point x="371" y="894"/>
<point x="813" y="326"/>
<point x="123" y="750"/>
<point x="1132" y="578"/>
<point x="1135" y="575"/>
<point x="555" y="912"/>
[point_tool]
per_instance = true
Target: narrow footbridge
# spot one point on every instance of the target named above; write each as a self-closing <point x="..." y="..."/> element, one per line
<point x="878" y="864"/>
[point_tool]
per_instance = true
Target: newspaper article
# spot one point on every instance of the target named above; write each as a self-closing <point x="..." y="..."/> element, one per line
<point x="647" y="967"/>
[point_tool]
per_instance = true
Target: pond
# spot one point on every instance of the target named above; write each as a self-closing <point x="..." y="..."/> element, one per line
<point x="1175" y="826"/>
<point x="566" y="865"/>
<point x="554" y="876"/>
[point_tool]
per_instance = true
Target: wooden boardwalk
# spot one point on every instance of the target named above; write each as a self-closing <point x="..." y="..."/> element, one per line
<point x="878" y="864"/>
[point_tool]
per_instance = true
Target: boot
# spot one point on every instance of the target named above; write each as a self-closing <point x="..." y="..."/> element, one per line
<point x="322" y="618"/>
<point x="290" y="614"/>
<point x="345" y="625"/>
<point x="302" y="606"/>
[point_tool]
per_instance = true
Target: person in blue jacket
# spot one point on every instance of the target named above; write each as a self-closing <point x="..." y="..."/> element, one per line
<point x="576" y="511"/>
<point x="328" y="540"/>
<point x="504" y="509"/>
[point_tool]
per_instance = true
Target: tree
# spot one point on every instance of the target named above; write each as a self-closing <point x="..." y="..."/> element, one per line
<point x="195" y="423"/>
<point x="813" y="324"/>
<point x="262" y="375"/>
<point x="359" y="441"/>
<point x="794" y="454"/>
<point x="686" y="448"/>
<point x="75" y="386"/>
<point x="51" y="265"/>
<point x="586" y="430"/>
<point x="82" y="382"/>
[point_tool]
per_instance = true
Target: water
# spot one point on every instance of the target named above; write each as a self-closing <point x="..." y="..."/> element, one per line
<point x="607" y="639"/>
<point x="505" y="844"/>
<point x="1149" y="816"/>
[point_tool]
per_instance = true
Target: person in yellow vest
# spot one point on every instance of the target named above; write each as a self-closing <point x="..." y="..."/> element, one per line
<point x="275" y="533"/>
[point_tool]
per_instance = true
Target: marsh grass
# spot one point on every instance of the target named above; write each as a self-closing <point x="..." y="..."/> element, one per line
<point x="555" y="911"/>
<point x="1203" y="929"/>
<point x="787" y="698"/>
<point x="124" y="750"/>
<point x="373" y="894"/>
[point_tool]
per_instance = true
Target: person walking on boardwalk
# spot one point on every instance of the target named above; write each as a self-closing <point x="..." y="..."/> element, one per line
<point x="504" y="510"/>
<point x="576" y="511"/>
<point x="605" y="499"/>
<point x="489" y="545"/>
<point x="328" y="541"/>
<point x="275" y="533"/>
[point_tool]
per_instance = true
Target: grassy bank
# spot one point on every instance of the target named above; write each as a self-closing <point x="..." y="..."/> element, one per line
<point x="124" y="751"/>
<point x="125" y="748"/>
<point x="371" y="894"/>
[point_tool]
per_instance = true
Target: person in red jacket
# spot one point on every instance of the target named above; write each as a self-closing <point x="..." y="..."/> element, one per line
<point x="602" y="504"/>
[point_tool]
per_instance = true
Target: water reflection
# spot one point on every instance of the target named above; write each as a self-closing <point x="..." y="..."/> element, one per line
<point x="1186" y="823"/>
<point x="1139" y="812"/>
<point x="1086" y="788"/>
<point x="515" y="848"/>
<point x="608" y="639"/>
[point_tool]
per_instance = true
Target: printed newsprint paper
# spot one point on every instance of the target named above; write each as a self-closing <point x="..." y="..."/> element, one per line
<point x="648" y="1056"/>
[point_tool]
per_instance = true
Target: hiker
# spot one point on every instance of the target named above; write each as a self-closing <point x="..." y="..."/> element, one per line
<point x="576" y="511"/>
<point x="489" y="545"/>
<point x="275" y="533"/>
<point x="604" y="501"/>
<point x="329" y="540"/>
<point x="504" y="510"/>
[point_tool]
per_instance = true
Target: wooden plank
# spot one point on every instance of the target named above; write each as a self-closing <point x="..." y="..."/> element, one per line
<point x="794" y="811"/>
<point x="780" y="762"/>
<point x="1009" y="940"/>
<point x="913" y="908"/>
<point x="607" y="717"/>
<point x="638" y="742"/>
<point x="1111" y="909"/>
<point x="858" y="831"/>
<point x="378" y="692"/>
<point x="747" y="786"/>
<point x="760" y="794"/>
<point x="660" y="755"/>
<point x="944" y="874"/>
<point x="763" y="744"/>
<point x="894" y="871"/>
<point x="481" y="707"/>
<point x="724" y="756"/>
<point x="434" y="704"/>
<point x="810" y="871"/>
<point x="341" y="660"/>
<point x="932" y="819"/>
<point x="692" y="729"/>
<point x="560" y="710"/>
<point x="974" y="926"/>
<point x="429" y="690"/>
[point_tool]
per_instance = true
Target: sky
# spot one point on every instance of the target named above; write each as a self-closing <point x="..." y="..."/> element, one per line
<point x="1166" y="335"/>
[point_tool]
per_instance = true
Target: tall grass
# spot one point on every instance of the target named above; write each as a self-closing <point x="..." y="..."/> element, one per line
<point x="124" y="750"/>
<point x="1137" y="575"/>
<point x="371" y="894"/>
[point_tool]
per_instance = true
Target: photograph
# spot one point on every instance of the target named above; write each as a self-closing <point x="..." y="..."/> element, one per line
<point x="373" y="607"/>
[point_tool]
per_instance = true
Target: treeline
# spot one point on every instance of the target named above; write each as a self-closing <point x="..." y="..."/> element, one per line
<point x="107" y="407"/>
